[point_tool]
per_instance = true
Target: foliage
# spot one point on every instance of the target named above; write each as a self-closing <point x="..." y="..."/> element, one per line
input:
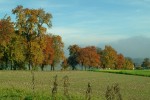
<point x="109" y="57"/>
<point x="58" y="46"/>
<point x="30" y="23"/>
<point x="120" y="61"/>
<point x="73" y="53"/>
<point x="26" y="42"/>
<point x="146" y="63"/>
<point x="6" y="32"/>
<point x="128" y="64"/>
<point x="88" y="57"/>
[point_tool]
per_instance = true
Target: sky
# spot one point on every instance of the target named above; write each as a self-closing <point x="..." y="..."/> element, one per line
<point x="124" y="24"/>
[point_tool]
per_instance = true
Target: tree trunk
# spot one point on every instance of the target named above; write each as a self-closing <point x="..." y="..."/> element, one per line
<point x="42" y="67"/>
<point x="11" y="66"/>
<point x="6" y="64"/>
<point x="82" y="66"/>
<point x="89" y="67"/>
<point x="29" y="66"/>
<point x="29" y="51"/>
<point x="73" y="67"/>
<point x="52" y="67"/>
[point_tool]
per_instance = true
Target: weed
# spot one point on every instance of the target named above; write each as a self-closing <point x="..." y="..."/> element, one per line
<point x="88" y="92"/>
<point x="54" y="89"/>
<point x="33" y="82"/>
<point x="113" y="92"/>
<point x="66" y="85"/>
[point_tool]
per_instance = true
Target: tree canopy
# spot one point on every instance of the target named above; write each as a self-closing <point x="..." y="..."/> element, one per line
<point x="27" y="42"/>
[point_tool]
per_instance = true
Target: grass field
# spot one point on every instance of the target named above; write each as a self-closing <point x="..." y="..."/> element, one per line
<point x="17" y="85"/>
<point x="128" y="72"/>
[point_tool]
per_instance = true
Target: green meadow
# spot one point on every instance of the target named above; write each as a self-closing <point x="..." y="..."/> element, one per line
<point x="145" y="73"/>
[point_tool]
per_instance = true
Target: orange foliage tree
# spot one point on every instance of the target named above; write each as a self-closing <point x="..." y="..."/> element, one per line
<point x="120" y="62"/>
<point x="48" y="51"/>
<point x="6" y="32"/>
<point x="57" y="45"/>
<point x="88" y="57"/>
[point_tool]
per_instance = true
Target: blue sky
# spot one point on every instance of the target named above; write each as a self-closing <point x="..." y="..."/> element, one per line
<point x="91" y="22"/>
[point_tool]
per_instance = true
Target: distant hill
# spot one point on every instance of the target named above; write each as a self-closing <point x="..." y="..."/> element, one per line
<point x="135" y="47"/>
<point x="138" y="61"/>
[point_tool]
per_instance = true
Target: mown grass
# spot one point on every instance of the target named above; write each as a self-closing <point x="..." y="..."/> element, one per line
<point x="145" y="73"/>
<point x="17" y="85"/>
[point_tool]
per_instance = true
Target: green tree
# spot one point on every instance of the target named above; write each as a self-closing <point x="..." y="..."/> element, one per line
<point x="146" y="63"/>
<point x="30" y="23"/>
<point x="16" y="51"/>
<point x="73" y="53"/>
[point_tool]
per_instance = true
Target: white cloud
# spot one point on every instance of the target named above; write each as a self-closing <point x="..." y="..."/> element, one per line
<point x="83" y="37"/>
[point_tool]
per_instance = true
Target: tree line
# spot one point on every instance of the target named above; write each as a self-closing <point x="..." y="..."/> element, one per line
<point x="26" y="41"/>
<point x="26" y="44"/>
<point x="93" y="57"/>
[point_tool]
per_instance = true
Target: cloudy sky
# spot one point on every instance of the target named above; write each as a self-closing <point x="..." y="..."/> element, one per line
<point x="124" y="24"/>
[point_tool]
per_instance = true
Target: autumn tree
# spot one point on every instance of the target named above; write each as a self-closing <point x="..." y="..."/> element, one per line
<point x="109" y="57"/>
<point x="30" y="23"/>
<point x="6" y="32"/>
<point x="48" y="51"/>
<point x="58" y="46"/>
<point x="73" y="53"/>
<point x="120" y="61"/>
<point x="82" y="57"/>
<point x="99" y="50"/>
<point x="88" y="57"/>
<point x="146" y="63"/>
<point x="128" y="64"/>
<point x="94" y="58"/>
<point x="16" y="55"/>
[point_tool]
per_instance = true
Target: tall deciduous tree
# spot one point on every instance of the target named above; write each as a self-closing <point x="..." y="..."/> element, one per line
<point x="48" y="51"/>
<point x="16" y="51"/>
<point x="6" y="32"/>
<point x="30" y="23"/>
<point x="128" y="64"/>
<point x="120" y="61"/>
<point x="109" y="57"/>
<point x="146" y="63"/>
<point x="88" y="57"/>
<point x="58" y="46"/>
<point x="73" y="53"/>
